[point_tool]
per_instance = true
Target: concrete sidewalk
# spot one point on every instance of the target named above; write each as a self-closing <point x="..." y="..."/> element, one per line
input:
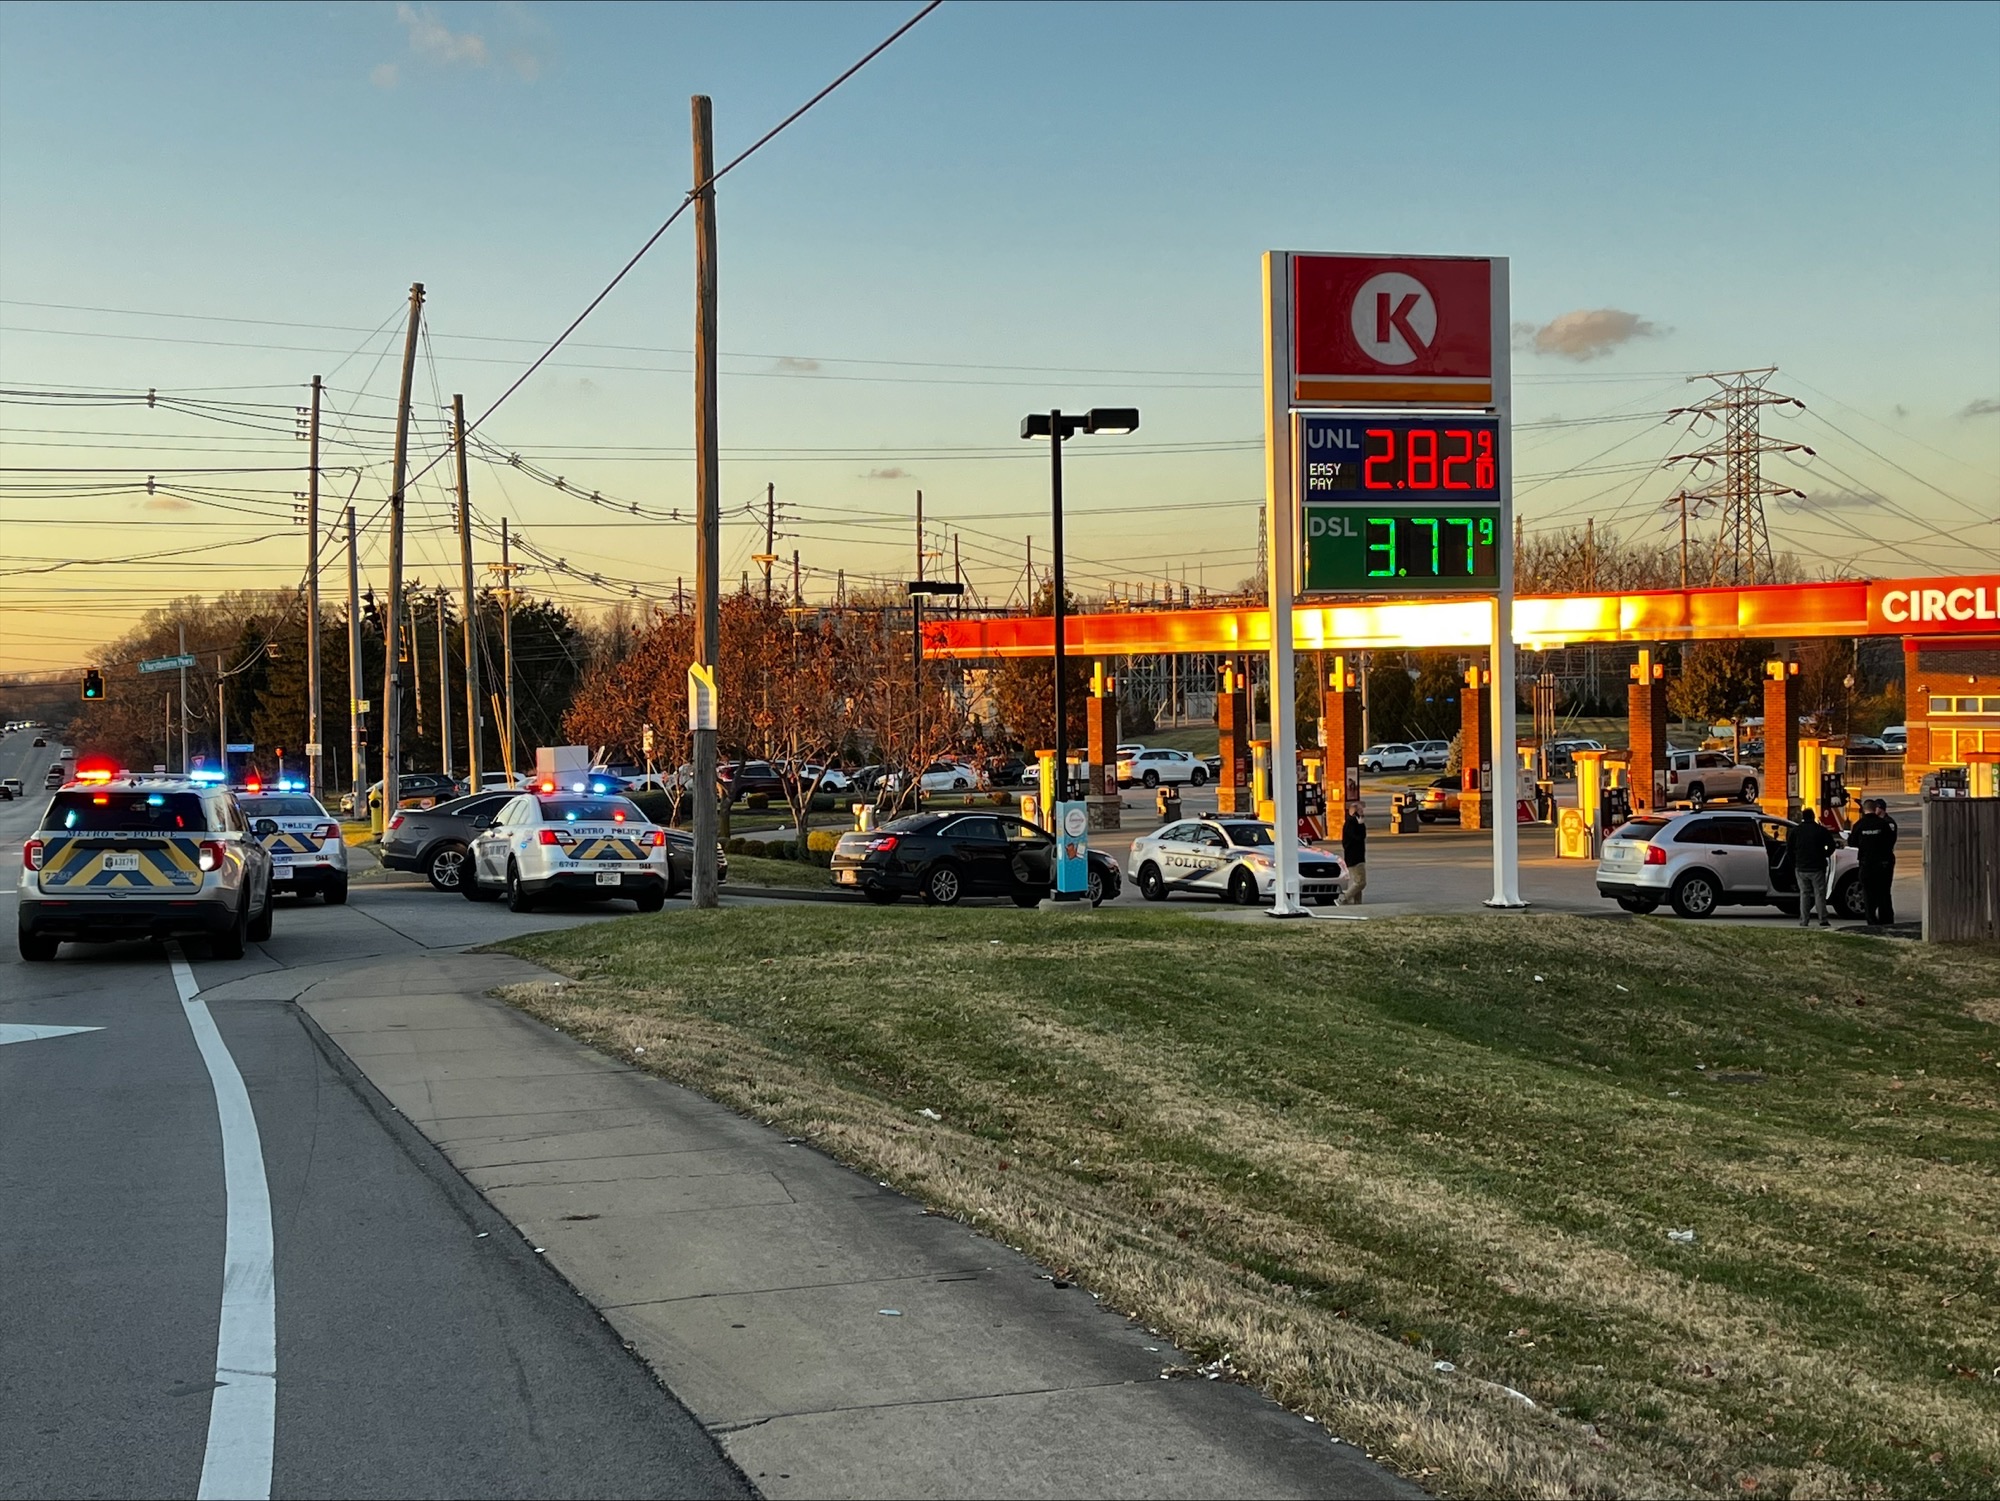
<point x="837" y="1340"/>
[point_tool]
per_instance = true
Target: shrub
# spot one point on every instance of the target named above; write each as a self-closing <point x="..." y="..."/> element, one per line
<point x="757" y="801"/>
<point x="822" y="842"/>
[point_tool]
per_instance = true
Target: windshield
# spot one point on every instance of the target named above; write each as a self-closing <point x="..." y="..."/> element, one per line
<point x="1641" y="832"/>
<point x="590" y="810"/>
<point x="127" y="813"/>
<point x="281" y="807"/>
<point x="1251" y="835"/>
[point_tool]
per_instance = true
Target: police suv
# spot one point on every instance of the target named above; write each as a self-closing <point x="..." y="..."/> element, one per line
<point x="308" y="855"/>
<point x="1231" y="858"/>
<point x="579" y="843"/>
<point x="122" y="856"/>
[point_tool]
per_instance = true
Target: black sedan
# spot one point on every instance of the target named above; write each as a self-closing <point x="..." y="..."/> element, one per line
<point x="946" y="857"/>
<point x="435" y="840"/>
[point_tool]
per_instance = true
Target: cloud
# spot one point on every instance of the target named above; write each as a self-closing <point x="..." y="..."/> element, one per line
<point x="1985" y="406"/>
<point x="435" y="44"/>
<point x="789" y="364"/>
<point x="1585" y="333"/>
<point x="430" y="38"/>
<point x="1829" y="500"/>
<point x="166" y="503"/>
<point x="897" y="472"/>
<point x="384" y="75"/>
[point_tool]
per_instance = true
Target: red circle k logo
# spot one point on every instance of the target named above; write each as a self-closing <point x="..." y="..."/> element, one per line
<point x="1394" y="318"/>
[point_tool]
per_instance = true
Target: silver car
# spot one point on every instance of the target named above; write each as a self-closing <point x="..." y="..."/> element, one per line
<point x="1702" y="861"/>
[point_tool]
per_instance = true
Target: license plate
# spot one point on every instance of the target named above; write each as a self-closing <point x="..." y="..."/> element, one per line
<point x="846" y="877"/>
<point x="121" y="862"/>
<point x="609" y="878"/>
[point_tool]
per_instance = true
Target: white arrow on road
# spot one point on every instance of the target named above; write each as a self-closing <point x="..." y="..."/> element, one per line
<point x="19" y="1032"/>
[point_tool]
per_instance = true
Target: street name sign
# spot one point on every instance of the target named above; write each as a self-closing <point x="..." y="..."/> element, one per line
<point x="165" y="664"/>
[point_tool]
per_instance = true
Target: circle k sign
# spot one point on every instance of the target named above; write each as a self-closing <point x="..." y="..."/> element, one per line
<point x="1395" y="318"/>
<point x="1373" y="329"/>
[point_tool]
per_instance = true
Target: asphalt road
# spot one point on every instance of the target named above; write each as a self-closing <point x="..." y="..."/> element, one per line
<point x="423" y="1349"/>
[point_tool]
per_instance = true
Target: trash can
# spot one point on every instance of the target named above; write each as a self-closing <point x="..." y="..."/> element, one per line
<point x="1168" y="800"/>
<point x="1403" y="814"/>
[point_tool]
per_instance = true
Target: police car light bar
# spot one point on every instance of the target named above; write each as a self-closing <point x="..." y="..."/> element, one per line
<point x="204" y="774"/>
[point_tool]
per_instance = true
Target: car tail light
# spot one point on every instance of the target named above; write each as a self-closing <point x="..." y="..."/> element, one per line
<point x="328" y="831"/>
<point x="556" y="836"/>
<point x="657" y="839"/>
<point x="395" y="823"/>
<point x="213" y="852"/>
<point x="1655" y="855"/>
<point x="882" y="844"/>
<point x="31" y="855"/>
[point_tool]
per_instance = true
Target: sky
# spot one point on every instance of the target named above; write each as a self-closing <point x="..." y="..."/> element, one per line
<point x="1015" y="207"/>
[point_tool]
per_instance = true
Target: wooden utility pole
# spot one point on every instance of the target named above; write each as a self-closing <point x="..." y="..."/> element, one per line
<point x="313" y="714"/>
<point x="708" y="483"/>
<point x="356" y="771"/>
<point x="444" y="689"/>
<point x="416" y="668"/>
<point x="797" y="598"/>
<point x="392" y="701"/>
<point x="507" y="649"/>
<point x="920" y="536"/>
<point x="469" y="604"/>
<point x="770" y="553"/>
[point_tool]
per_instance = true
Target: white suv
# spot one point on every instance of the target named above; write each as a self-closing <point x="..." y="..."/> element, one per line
<point x="1154" y="767"/>
<point x="1698" y="778"/>
<point x="587" y="844"/>
<point x="1392" y="756"/>
<point x="1717" y="858"/>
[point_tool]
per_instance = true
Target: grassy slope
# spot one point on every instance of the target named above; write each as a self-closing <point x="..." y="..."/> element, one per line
<point x="1340" y="1154"/>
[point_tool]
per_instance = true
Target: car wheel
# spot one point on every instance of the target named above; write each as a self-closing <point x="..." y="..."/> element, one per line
<point x="1152" y="885"/>
<point x="37" y="949"/>
<point x="1093" y="887"/>
<point x="1198" y="777"/>
<point x="651" y="901"/>
<point x="446" y="867"/>
<point x="1151" y="779"/>
<point x="335" y="892"/>
<point x="943" y="886"/>
<point x="470" y="888"/>
<point x="1749" y="789"/>
<point x="259" y="927"/>
<point x="1026" y="896"/>
<point x="1639" y="904"/>
<point x="1243" y="888"/>
<point x="1849" y="901"/>
<point x="518" y="899"/>
<point x="229" y="943"/>
<point x="881" y="897"/>
<point x="1696" y="895"/>
<point x="1697" y="796"/>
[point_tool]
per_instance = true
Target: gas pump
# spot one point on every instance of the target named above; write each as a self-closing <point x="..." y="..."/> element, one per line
<point x="1260" y="780"/>
<point x="1312" y="800"/>
<point x="1982" y="773"/>
<point x="1820" y="781"/>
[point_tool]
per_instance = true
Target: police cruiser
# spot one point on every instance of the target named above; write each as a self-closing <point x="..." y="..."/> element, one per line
<point x="308" y="855"/>
<point x="579" y="843"/>
<point x="123" y="856"/>
<point x="1231" y="858"/>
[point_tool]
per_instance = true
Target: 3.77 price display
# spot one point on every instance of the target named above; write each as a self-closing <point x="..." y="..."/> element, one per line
<point x="1397" y="549"/>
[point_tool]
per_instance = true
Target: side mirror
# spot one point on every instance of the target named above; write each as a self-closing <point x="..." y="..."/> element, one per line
<point x="264" y="826"/>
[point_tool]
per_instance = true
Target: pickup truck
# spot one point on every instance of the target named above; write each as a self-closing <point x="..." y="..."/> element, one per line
<point x="1698" y="778"/>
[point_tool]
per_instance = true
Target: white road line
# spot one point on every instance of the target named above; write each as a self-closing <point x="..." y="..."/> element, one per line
<point x="243" y="1412"/>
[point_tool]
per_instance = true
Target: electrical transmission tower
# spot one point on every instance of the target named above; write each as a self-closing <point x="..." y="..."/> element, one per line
<point x="1743" y="542"/>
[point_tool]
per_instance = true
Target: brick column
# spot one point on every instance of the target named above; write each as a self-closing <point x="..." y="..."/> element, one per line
<point x="1232" y="727"/>
<point x="1778" y="786"/>
<point x="1343" y="742"/>
<point x="1646" y="707"/>
<point x="1101" y="727"/>
<point x="1479" y="795"/>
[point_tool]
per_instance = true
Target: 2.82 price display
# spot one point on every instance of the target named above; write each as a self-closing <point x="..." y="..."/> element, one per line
<point x="1352" y="458"/>
<point x="1396" y="549"/>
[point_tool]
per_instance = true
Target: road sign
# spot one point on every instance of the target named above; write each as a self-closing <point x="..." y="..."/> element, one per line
<point x="1373" y="330"/>
<point x="362" y="705"/>
<point x="165" y="664"/>
<point x="701" y="697"/>
<point x="646" y="739"/>
<point x="241" y="748"/>
<point x="313" y="747"/>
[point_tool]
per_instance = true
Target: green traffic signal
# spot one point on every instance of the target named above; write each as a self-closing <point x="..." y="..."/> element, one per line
<point x="93" y="683"/>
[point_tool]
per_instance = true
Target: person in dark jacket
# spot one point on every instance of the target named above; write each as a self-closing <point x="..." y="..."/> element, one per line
<point x="1812" y="851"/>
<point x="1354" y="853"/>
<point x="1874" y="838"/>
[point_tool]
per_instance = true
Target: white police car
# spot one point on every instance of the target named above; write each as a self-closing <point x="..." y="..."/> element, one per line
<point x="122" y="856"/>
<point x="579" y="843"/>
<point x="1234" y="859"/>
<point x="308" y="855"/>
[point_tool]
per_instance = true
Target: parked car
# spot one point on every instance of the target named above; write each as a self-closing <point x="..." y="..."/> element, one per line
<point x="1897" y="738"/>
<point x="949" y="776"/>
<point x="1440" y="801"/>
<point x="1154" y="768"/>
<point x="947" y="857"/>
<point x="739" y="779"/>
<point x="1718" y="858"/>
<point x="828" y="778"/>
<point x="1391" y="756"/>
<point x="575" y="844"/>
<point x="1434" y="753"/>
<point x="1227" y="858"/>
<point x="436" y="840"/>
<point x="1698" y="778"/>
<point x="414" y="789"/>
<point x="1866" y="745"/>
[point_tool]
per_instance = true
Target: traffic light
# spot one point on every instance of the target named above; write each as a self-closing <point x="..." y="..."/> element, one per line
<point x="93" y="683"/>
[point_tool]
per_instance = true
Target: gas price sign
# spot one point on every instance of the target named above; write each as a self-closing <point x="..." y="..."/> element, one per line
<point x="1398" y="504"/>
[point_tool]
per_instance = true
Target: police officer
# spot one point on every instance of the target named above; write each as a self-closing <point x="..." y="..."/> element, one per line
<point x="1874" y="837"/>
<point x="1812" y="851"/>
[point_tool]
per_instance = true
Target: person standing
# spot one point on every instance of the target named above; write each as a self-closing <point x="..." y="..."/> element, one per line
<point x="1812" y="851"/>
<point x="1354" y="852"/>
<point x="1874" y="838"/>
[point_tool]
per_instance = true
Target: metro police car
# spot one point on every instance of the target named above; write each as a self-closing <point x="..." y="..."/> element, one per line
<point x="580" y="843"/>
<point x="308" y="854"/>
<point x="123" y="856"/>
<point x="1227" y="857"/>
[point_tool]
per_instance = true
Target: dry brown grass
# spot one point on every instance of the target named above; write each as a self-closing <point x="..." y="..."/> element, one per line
<point x="1340" y="1160"/>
